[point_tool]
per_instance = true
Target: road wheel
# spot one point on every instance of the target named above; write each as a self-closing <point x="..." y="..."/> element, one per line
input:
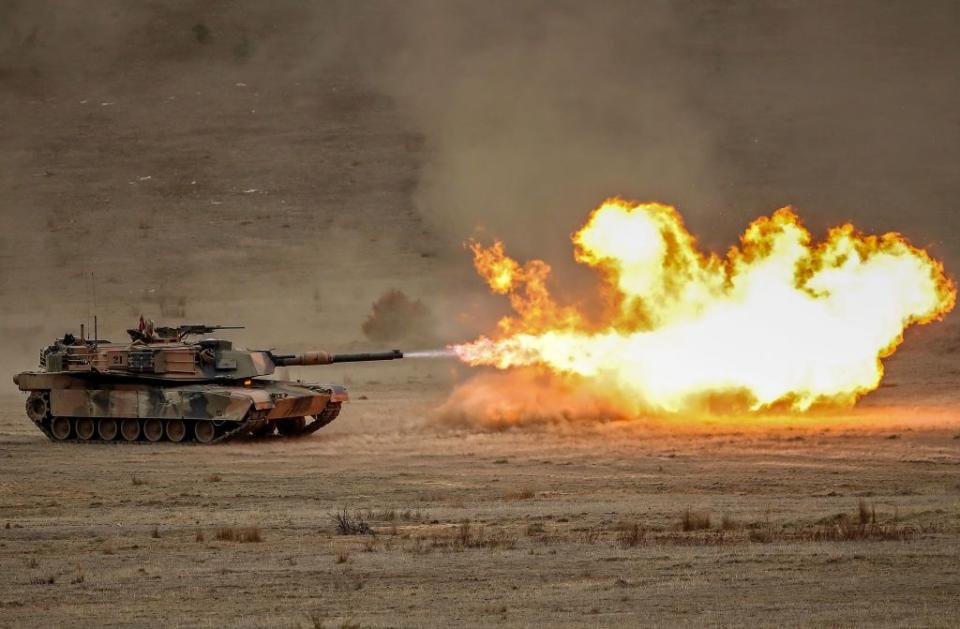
<point x="130" y="429"/>
<point x="153" y="429"/>
<point x="292" y="426"/>
<point x="61" y="428"/>
<point x="176" y="430"/>
<point x="204" y="431"/>
<point x="85" y="428"/>
<point x="107" y="428"/>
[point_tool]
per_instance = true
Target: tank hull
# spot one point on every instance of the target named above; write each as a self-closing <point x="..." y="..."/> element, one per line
<point x="67" y="407"/>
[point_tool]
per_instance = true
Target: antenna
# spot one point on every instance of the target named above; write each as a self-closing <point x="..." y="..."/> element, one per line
<point x="93" y="289"/>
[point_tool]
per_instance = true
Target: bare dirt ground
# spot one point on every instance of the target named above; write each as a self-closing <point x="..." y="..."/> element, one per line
<point x="561" y="526"/>
<point x="282" y="165"/>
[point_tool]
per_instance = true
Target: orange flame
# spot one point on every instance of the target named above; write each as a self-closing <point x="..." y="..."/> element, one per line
<point x="779" y="321"/>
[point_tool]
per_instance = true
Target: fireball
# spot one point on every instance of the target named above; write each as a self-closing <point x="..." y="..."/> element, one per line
<point x="780" y="321"/>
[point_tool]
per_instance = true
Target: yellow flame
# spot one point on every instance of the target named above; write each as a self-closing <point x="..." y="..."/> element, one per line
<point x="779" y="321"/>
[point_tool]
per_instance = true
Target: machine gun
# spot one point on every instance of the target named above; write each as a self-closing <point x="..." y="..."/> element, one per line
<point x="178" y="333"/>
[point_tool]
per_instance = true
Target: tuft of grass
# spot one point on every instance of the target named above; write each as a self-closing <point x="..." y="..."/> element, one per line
<point x="589" y="535"/>
<point x="80" y="578"/>
<point x="523" y="494"/>
<point x="632" y="535"/>
<point x="49" y="579"/>
<point x="214" y="478"/>
<point x="351" y="524"/>
<point x="761" y="536"/>
<point x="727" y="523"/>
<point x="866" y="512"/>
<point x="155" y="533"/>
<point x="342" y="557"/>
<point x="199" y="536"/>
<point x="242" y="535"/>
<point x="694" y="521"/>
<point x="501" y="462"/>
<point x="136" y="482"/>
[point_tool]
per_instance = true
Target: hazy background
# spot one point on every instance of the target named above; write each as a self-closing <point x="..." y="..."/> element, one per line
<point x="286" y="164"/>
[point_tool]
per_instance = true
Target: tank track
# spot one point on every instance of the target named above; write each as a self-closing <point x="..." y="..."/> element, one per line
<point x="224" y="432"/>
<point x="326" y="416"/>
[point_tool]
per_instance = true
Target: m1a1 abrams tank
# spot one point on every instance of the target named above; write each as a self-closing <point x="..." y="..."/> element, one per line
<point x="163" y="386"/>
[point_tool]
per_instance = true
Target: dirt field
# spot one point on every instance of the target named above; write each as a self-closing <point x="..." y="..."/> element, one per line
<point x="282" y="165"/>
<point x="563" y="526"/>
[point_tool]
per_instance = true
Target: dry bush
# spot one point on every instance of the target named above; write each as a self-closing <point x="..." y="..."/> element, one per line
<point x="694" y="521"/>
<point x="155" y="533"/>
<point x="136" y="482"/>
<point x="49" y="579"/>
<point x="394" y="317"/>
<point x="727" y="523"/>
<point x="241" y="535"/>
<point x="199" y="536"/>
<point x="866" y="512"/>
<point x="351" y="524"/>
<point x="342" y="557"/>
<point x="214" y="478"/>
<point x="523" y="494"/>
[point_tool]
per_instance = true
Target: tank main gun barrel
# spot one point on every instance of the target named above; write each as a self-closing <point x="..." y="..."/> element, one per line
<point x="326" y="358"/>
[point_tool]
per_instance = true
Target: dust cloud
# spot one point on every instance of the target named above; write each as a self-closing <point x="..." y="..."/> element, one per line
<point x="283" y="165"/>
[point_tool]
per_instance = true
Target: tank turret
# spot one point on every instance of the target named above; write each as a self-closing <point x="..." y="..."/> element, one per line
<point x="164" y="386"/>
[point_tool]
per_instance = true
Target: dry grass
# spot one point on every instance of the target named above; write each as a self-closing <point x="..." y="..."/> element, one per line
<point x="393" y="515"/>
<point x="460" y="537"/>
<point x="866" y="512"/>
<point x="241" y="535"/>
<point x="199" y="537"/>
<point x="155" y="533"/>
<point x="214" y="478"/>
<point x="728" y="523"/>
<point x="523" y="494"/>
<point x="49" y="579"/>
<point x="694" y="521"/>
<point x="137" y="482"/>
<point x="342" y="557"/>
<point x="631" y="535"/>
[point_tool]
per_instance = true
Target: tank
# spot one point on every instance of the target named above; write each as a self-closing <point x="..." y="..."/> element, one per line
<point x="165" y="386"/>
